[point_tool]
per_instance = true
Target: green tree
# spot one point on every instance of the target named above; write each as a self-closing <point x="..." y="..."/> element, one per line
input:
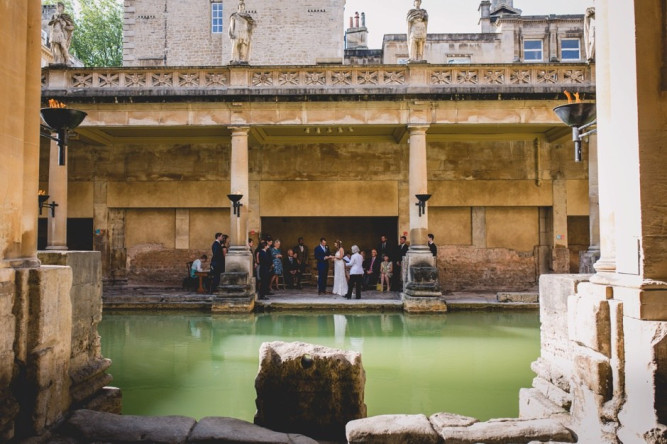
<point x="98" y="38"/>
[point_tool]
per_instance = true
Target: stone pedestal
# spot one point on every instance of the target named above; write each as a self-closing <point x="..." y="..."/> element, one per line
<point x="421" y="288"/>
<point x="236" y="293"/>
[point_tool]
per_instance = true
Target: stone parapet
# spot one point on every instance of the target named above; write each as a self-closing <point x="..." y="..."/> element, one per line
<point x="395" y="80"/>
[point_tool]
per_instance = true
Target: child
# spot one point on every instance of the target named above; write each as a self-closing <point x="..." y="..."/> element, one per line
<point x="386" y="270"/>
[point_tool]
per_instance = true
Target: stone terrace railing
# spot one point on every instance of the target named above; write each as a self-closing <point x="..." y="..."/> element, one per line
<point x="321" y="79"/>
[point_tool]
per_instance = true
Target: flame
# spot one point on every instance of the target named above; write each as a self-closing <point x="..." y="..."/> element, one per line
<point x="55" y="104"/>
<point x="41" y="193"/>
<point x="570" y="100"/>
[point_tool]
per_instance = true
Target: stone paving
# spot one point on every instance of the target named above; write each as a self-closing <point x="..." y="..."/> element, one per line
<point x="162" y="297"/>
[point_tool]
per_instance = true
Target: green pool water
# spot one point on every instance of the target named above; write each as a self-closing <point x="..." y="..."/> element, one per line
<point x="205" y="365"/>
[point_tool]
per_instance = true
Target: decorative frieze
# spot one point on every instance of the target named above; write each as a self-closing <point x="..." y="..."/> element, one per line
<point x="479" y="77"/>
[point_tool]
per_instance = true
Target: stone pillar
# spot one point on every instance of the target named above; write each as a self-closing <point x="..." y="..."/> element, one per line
<point x="418" y="184"/>
<point x="560" y="254"/>
<point x="421" y="289"/>
<point x="588" y="258"/>
<point x="239" y="185"/>
<point x="57" y="221"/>
<point x="237" y="285"/>
<point x="605" y="162"/>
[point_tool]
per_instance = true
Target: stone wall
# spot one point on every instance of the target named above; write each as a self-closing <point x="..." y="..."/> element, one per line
<point x="157" y="206"/>
<point x="178" y="33"/>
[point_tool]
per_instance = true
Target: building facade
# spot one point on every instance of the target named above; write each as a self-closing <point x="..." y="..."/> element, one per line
<point x="328" y="144"/>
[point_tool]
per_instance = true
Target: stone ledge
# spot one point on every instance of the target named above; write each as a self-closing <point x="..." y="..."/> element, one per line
<point x="389" y="429"/>
<point x="524" y="297"/>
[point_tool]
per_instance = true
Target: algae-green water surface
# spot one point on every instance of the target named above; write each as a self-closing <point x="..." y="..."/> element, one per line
<point x="197" y="365"/>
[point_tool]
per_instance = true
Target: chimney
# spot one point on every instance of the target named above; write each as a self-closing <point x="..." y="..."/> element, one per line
<point x="485" y="16"/>
<point x="356" y="36"/>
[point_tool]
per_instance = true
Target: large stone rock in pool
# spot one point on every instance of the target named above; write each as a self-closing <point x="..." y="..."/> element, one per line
<point x="309" y="389"/>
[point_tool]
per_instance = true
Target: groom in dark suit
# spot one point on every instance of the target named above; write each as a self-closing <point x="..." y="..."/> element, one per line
<point x="322" y="255"/>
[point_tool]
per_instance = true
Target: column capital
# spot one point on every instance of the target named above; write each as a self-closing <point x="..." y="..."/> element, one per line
<point x="239" y="129"/>
<point x="416" y="128"/>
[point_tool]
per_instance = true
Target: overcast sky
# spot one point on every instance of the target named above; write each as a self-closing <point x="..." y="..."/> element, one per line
<point x="445" y="16"/>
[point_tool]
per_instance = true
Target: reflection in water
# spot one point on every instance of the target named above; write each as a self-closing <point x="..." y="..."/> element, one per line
<point x="205" y="365"/>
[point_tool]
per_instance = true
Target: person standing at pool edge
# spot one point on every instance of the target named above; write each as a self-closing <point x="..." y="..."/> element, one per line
<point x="322" y="255"/>
<point x="217" y="260"/>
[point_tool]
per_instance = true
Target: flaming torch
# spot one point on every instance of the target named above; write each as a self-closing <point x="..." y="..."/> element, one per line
<point x="579" y="116"/>
<point x="60" y="119"/>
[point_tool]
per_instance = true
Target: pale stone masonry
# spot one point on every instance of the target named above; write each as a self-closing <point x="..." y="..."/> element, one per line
<point x="179" y="33"/>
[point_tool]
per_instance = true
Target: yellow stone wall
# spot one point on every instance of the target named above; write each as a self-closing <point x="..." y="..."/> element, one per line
<point x="169" y="199"/>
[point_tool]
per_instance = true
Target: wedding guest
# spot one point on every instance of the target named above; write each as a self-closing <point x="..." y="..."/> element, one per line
<point x="292" y="271"/>
<point x="277" y="257"/>
<point x="356" y="273"/>
<point x="372" y="270"/>
<point x="265" y="263"/>
<point x="386" y="269"/>
<point x="217" y="260"/>
<point x="301" y="253"/>
<point x="432" y="246"/>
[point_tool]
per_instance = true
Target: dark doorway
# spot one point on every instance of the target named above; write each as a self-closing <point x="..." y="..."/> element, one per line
<point x="79" y="234"/>
<point x="362" y="231"/>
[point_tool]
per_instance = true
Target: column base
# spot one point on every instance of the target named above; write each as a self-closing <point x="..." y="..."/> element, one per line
<point x="57" y="247"/>
<point x="431" y="303"/>
<point x="421" y="288"/>
<point x="236" y="293"/>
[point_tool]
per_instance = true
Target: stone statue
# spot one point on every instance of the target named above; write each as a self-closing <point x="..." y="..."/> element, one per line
<point x="589" y="34"/>
<point x="417" y="23"/>
<point x="241" y="25"/>
<point x="62" y="26"/>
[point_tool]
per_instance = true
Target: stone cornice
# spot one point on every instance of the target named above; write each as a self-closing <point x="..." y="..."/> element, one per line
<point x="340" y="82"/>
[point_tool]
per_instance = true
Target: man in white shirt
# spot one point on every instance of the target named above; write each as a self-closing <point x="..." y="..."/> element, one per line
<point x="356" y="266"/>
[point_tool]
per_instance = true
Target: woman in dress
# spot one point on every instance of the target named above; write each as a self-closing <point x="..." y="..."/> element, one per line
<point x="386" y="271"/>
<point x="277" y="257"/>
<point x="340" y="280"/>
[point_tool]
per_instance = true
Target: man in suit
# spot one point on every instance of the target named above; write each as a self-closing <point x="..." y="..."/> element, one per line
<point x="401" y="251"/>
<point x="372" y="270"/>
<point x="432" y="246"/>
<point x="265" y="263"/>
<point x="301" y="254"/>
<point x="322" y="255"/>
<point x="385" y="247"/>
<point x="217" y="260"/>
<point x="292" y="271"/>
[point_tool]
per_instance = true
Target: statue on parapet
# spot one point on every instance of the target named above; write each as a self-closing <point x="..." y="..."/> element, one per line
<point x="417" y="23"/>
<point x="241" y="25"/>
<point x="60" y="38"/>
<point x="589" y="34"/>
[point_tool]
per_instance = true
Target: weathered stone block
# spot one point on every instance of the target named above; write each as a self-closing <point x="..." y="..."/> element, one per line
<point x="109" y="399"/>
<point x="553" y="392"/>
<point x="534" y="405"/>
<point x="589" y="323"/>
<point x="444" y="419"/>
<point x="501" y="431"/>
<point x="309" y="389"/>
<point x="91" y="426"/>
<point x="429" y="304"/>
<point x="231" y="430"/>
<point x="391" y="429"/>
<point x="593" y="371"/>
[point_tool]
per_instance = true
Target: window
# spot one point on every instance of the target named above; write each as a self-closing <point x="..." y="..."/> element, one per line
<point x="532" y="50"/>
<point x="570" y="49"/>
<point x="216" y="18"/>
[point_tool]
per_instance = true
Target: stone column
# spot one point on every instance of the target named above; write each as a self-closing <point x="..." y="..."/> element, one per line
<point x="589" y="257"/>
<point x="421" y="290"/>
<point x="605" y="163"/>
<point x="237" y="285"/>
<point x="418" y="184"/>
<point x="239" y="185"/>
<point x="57" y="221"/>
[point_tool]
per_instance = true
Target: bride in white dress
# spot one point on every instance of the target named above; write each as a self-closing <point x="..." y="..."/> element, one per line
<point x="340" y="281"/>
